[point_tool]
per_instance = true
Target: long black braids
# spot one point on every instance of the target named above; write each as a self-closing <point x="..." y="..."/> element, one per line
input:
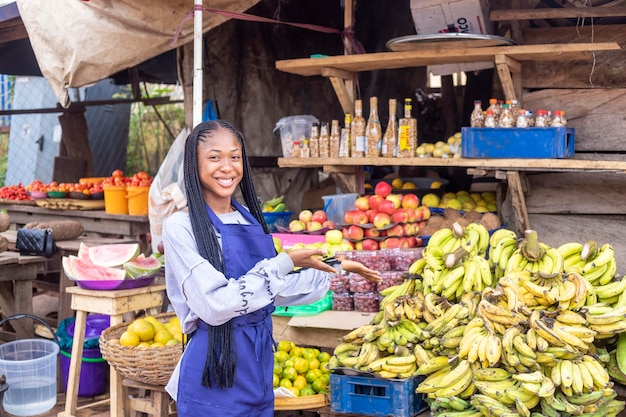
<point x="221" y="360"/>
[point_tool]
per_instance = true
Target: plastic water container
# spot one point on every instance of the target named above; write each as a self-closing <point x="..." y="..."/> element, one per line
<point x="294" y="128"/>
<point x="336" y="206"/>
<point x="30" y="367"/>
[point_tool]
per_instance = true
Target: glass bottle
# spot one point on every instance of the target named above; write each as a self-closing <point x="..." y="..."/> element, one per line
<point x="297" y="149"/>
<point x="335" y="138"/>
<point x="407" y="132"/>
<point x="390" y="138"/>
<point x="541" y="118"/>
<point x="345" y="146"/>
<point x="373" y="131"/>
<point x="559" y="119"/>
<point x="477" y="118"/>
<point x="506" y="118"/>
<point x="314" y="149"/>
<point x="522" y="120"/>
<point x="490" y="119"/>
<point x="357" y="131"/>
<point x="305" y="151"/>
<point x="324" y="141"/>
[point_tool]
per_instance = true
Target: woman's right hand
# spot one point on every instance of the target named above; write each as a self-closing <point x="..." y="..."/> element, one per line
<point x="310" y="258"/>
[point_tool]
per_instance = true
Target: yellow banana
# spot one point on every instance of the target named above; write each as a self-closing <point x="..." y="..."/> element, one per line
<point x="491" y="374"/>
<point x="567" y="375"/>
<point x="522" y="347"/>
<point x="439" y="237"/>
<point x="494" y="350"/>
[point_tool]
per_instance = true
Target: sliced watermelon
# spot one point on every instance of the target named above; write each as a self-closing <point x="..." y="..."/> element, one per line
<point x="142" y="266"/>
<point x="67" y="268"/>
<point x="113" y="255"/>
<point x="86" y="271"/>
<point x="83" y="252"/>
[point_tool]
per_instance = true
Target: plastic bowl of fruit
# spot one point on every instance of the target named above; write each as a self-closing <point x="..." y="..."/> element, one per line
<point x="57" y="194"/>
<point x="77" y="195"/>
<point x="38" y="194"/>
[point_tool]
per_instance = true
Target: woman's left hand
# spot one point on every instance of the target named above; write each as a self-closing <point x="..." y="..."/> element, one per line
<point x="359" y="268"/>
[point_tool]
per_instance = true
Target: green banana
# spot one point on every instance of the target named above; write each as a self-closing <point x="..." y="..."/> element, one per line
<point x="274" y="201"/>
<point x="279" y="208"/>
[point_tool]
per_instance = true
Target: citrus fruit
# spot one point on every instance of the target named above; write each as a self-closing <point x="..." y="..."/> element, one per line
<point x="323" y="356"/>
<point x="319" y="385"/>
<point x="397" y="183"/>
<point x="295" y="391"/>
<point x="285" y="383"/>
<point x="156" y="345"/>
<point x="301" y="365"/>
<point x="310" y="353"/>
<point x="324" y="368"/>
<point x="281" y="356"/>
<point x="297" y="351"/>
<point x="163" y="336"/>
<point x="143" y="344"/>
<point x="143" y="328"/>
<point x="278" y="368"/>
<point x="312" y="375"/>
<point x="284" y="346"/>
<point x="289" y="362"/>
<point x="156" y="323"/>
<point x="408" y="186"/>
<point x="172" y="342"/>
<point x="289" y="373"/>
<point x="306" y="391"/>
<point x="276" y="381"/>
<point x="314" y="363"/>
<point x="299" y="382"/>
<point x="129" y="339"/>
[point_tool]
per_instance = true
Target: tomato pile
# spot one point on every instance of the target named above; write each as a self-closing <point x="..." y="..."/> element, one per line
<point x="14" y="192"/>
<point x="84" y="188"/>
<point x="140" y="179"/>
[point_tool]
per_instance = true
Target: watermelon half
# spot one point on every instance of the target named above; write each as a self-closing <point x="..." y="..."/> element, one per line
<point x="113" y="255"/>
<point x="142" y="266"/>
<point x="86" y="271"/>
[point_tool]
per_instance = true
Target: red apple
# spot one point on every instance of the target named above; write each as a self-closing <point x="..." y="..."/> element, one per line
<point x="396" y="230"/>
<point x="371" y="232"/>
<point x="344" y="232"/>
<point x="313" y="226"/>
<point x="386" y="206"/>
<point x="374" y="200"/>
<point x="425" y="212"/>
<point x="369" y="244"/>
<point x="381" y="220"/>
<point x="329" y="224"/>
<point x="419" y="242"/>
<point x="390" y="243"/>
<point x="360" y="217"/>
<point x="305" y="216"/>
<point x="297" y="226"/>
<point x="370" y="215"/>
<point x="410" y="201"/>
<point x="399" y="216"/>
<point x="362" y="203"/>
<point x="396" y="199"/>
<point x="319" y="216"/>
<point x="409" y="229"/>
<point x="348" y="217"/>
<point x="382" y="189"/>
<point x="404" y="242"/>
<point x="355" y="232"/>
<point x="412" y="241"/>
<point x="410" y="214"/>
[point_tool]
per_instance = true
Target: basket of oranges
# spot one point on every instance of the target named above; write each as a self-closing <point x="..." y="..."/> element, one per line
<point x="145" y="350"/>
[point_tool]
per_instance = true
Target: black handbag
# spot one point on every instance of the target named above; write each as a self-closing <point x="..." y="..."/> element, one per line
<point x="35" y="242"/>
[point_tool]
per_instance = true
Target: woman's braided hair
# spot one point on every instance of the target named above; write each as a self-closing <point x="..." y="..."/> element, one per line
<point x="221" y="358"/>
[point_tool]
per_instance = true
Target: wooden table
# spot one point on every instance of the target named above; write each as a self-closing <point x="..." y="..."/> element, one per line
<point x="17" y="274"/>
<point x="66" y="248"/>
<point x="115" y="304"/>
<point x="93" y="221"/>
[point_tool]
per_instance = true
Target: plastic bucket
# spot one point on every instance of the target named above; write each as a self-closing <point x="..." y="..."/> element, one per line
<point x="336" y="206"/>
<point x="137" y="200"/>
<point x="30" y="367"/>
<point x="294" y="128"/>
<point x="115" y="201"/>
<point x="93" y="372"/>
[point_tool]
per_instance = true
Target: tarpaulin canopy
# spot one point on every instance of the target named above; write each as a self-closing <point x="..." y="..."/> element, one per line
<point x="77" y="43"/>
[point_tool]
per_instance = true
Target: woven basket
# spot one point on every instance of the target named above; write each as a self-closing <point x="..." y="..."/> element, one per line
<point x="152" y="366"/>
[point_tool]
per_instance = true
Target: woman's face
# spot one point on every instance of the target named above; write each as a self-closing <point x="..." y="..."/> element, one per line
<point x="220" y="165"/>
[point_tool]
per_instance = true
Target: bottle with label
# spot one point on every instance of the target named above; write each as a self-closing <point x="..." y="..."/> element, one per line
<point x="490" y="119"/>
<point x="506" y="118"/>
<point x="477" y="118"/>
<point x="324" y="141"/>
<point x="345" y="144"/>
<point x="335" y="138"/>
<point x="314" y="148"/>
<point x="390" y="138"/>
<point x="357" y="131"/>
<point x="373" y="131"/>
<point x="407" y="132"/>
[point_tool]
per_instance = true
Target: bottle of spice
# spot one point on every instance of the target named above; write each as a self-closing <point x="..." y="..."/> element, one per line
<point x="506" y="118"/>
<point x="345" y="145"/>
<point x="407" y="132"/>
<point x="373" y="131"/>
<point x="541" y="120"/>
<point x="335" y="138"/>
<point x="314" y="148"/>
<point x="522" y="120"/>
<point x="490" y="119"/>
<point x="297" y="149"/>
<point x="559" y="119"/>
<point x="357" y="131"/>
<point x="324" y="141"/>
<point x="477" y="118"/>
<point x="390" y="138"/>
<point x="494" y="107"/>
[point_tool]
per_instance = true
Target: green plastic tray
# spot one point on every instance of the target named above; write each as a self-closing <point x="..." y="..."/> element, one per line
<point x="317" y="307"/>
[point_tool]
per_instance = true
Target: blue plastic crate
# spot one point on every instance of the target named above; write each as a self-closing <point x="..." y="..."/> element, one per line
<point x="513" y="142"/>
<point x="277" y="219"/>
<point x="375" y="396"/>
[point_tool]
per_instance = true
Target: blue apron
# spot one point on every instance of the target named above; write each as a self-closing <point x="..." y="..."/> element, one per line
<point x="252" y="393"/>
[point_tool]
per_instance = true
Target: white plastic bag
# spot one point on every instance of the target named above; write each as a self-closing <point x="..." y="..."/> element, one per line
<point x="167" y="192"/>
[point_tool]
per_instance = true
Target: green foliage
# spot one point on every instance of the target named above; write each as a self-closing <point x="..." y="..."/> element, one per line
<point x="4" y="156"/>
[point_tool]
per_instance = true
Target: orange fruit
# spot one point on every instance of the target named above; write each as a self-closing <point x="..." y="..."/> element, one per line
<point x="312" y="375"/>
<point x="306" y="391"/>
<point x="310" y="353"/>
<point x="319" y="385"/>
<point x="278" y="368"/>
<point x="289" y="373"/>
<point x="314" y="363"/>
<point x="323" y="356"/>
<point x="156" y="345"/>
<point x="129" y="339"/>
<point x="281" y="356"/>
<point x="143" y="328"/>
<point x="163" y="336"/>
<point x="324" y="368"/>
<point x="295" y="390"/>
<point x="284" y="346"/>
<point x="285" y="383"/>
<point x="276" y="381"/>
<point x="172" y="342"/>
<point x="301" y="365"/>
<point x="297" y="351"/>
<point x="299" y="382"/>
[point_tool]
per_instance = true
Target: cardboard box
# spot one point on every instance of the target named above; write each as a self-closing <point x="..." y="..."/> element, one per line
<point x="340" y="320"/>
<point x="463" y="16"/>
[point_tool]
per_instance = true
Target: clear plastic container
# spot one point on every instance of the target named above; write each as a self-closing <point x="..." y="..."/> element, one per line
<point x="375" y="259"/>
<point x="340" y="283"/>
<point x="342" y="301"/>
<point x="336" y="206"/>
<point x="402" y="258"/>
<point x="358" y="284"/>
<point x="389" y="279"/>
<point x="367" y="302"/>
<point x="294" y="128"/>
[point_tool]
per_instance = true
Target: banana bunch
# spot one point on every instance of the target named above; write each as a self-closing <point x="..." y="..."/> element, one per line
<point x="541" y="291"/>
<point x="605" y="320"/>
<point x="480" y="344"/>
<point x="502" y="244"/>
<point x="597" y="404"/>
<point x="274" y="205"/>
<point x="573" y="337"/>
<point x="580" y="375"/>
<point x="452" y="407"/>
<point x="597" y="265"/>
<point x="536" y="257"/>
<point x="449" y="381"/>
<point x="405" y="306"/>
<point x="407" y="288"/>
<point x="518" y="353"/>
<point x="474" y="238"/>
<point x="611" y="293"/>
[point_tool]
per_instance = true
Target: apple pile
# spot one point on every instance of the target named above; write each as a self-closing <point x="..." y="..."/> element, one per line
<point x="310" y="221"/>
<point x="385" y="220"/>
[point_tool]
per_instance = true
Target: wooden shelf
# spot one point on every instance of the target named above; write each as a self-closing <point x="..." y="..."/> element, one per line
<point x="516" y="164"/>
<point x="442" y="55"/>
